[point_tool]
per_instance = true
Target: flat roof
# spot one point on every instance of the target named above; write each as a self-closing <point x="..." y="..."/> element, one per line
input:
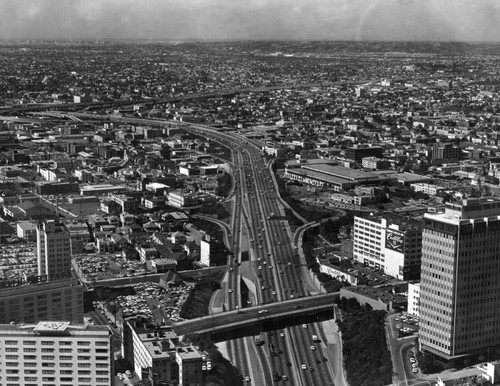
<point x="343" y="172"/>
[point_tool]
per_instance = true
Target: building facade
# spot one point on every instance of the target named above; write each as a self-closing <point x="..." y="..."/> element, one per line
<point x="389" y="243"/>
<point x="414" y="298"/>
<point x="30" y="302"/>
<point x="53" y="250"/>
<point x="459" y="303"/>
<point x="55" y="353"/>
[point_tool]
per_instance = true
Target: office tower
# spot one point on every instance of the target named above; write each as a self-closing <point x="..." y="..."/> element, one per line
<point x="55" y="353"/>
<point x="459" y="302"/>
<point x="35" y="300"/>
<point x="53" y="250"/>
<point x="390" y="243"/>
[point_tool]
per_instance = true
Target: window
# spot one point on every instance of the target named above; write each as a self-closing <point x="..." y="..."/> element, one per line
<point x="84" y="372"/>
<point x="12" y="349"/>
<point x="83" y="364"/>
<point x="12" y="364"/>
<point x="47" y="350"/>
<point x="83" y="343"/>
<point x="65" y="350"/>
<point x="31" y="379"/>
<point x="30" y="357"/>
<point x="29" y="342"/>
<point x="84" y="350"/>
<point x="83" y="358"/>
<point x="10" y="342"/>
<point x="12" y="357"/>
<point x="64" y="343"/>
<point x="65" y="357"/>
<point x="48" y="371"/>
<point x="29" y="371"/>
<point x="83" y="379"/>
<point x="102" y="380"/>
<point x="28" y="349"/>
<point x="47" y="343"/>
<point x="48" y="357"/>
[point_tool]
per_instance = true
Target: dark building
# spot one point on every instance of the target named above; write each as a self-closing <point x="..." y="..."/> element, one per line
<point x="357" y="153"/>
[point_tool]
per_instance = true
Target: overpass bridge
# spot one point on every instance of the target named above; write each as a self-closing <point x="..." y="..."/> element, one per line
<point x="263" y="314"/>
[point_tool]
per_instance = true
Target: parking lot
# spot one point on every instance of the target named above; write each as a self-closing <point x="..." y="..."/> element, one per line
<point x="406" y="324"/>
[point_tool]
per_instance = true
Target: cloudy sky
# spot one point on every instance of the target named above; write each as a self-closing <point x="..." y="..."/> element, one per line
<point x="443" y="20"/>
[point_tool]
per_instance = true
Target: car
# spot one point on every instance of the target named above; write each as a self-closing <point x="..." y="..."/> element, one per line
<point x="414" y="370"/>
<point x="230" y="290"/>
<point x="204" y="367"/>
<point x="413" y="360"/>
<point x="304" y="326"/>
<point x="284" y="378"/>
<point x="247" y="379"/>
<point x="414" y="365"/>
<point x="120" y="376"/>
<point x="282" y="334"/>
<point x="313" y="348"/>
<point x="303" y="367"/>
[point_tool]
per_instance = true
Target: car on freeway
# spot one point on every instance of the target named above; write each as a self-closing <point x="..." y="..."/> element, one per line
<point x="304" y="326"/>
<point x="247" y="379"/>
<point x="414" y="370"/>
<point x="282" y="334"/>
<point x="313" y="348"/>
<point x="303" y="367"/>
<point x="412" y="359"/>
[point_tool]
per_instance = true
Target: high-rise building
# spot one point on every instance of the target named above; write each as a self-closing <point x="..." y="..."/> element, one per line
<point x="459" y="287"/>
<point x="53" y="250"/>
<point x="37" y="300"/>
<point x="55" y="353"/>
<point x="390" y="243"/>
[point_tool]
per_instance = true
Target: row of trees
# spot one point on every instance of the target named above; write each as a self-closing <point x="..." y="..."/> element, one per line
<point x="367" y="359"/>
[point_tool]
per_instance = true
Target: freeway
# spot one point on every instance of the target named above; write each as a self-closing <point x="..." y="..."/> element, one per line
<point x="274" y="262"/>
<point x="275" y="267"/>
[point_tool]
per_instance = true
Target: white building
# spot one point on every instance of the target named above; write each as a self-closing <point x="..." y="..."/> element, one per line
<point x="429" y="189"/>
<point x="55" y="353"/>
<point x="389" y="243"/>
<point x="414" y="299"/>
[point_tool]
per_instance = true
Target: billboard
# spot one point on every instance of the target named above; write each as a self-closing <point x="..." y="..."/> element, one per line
<point x="394" y="240"/>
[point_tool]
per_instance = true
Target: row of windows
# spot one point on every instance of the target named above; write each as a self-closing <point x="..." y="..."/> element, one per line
<point x="51" y="343"/>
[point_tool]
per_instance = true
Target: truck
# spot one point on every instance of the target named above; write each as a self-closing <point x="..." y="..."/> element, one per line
<point x="258" y="341"/>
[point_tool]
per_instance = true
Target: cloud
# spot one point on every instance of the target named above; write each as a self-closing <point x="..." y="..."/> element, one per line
<point x="251" y="19"/>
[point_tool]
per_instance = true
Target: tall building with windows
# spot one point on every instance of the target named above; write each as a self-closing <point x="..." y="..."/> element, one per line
<point x="55" y="353"/>
<point x="390" y="243"/>
<point x="53" y="250"/>
<point x="459" y="287"/>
